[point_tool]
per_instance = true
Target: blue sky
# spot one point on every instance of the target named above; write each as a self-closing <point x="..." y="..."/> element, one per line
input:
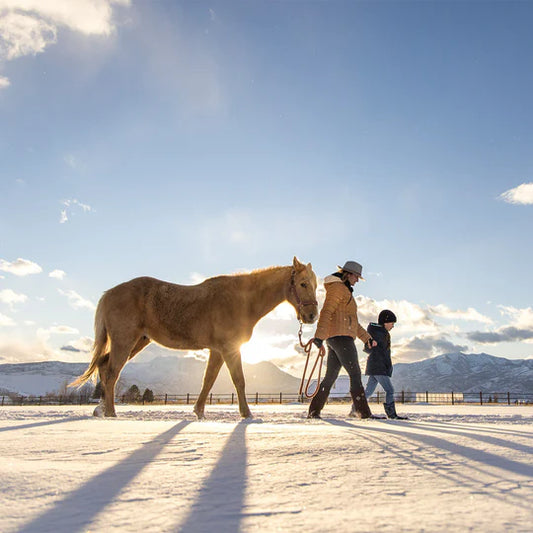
<point x="188" y="139"/>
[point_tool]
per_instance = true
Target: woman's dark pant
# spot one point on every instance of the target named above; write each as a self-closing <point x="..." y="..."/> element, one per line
<point x="341" y="353"/>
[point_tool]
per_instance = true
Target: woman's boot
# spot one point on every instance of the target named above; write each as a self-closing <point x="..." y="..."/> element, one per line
<point x="317" y="403"/>
<point x="390" y="410"/>
<point x="360" y="407"/>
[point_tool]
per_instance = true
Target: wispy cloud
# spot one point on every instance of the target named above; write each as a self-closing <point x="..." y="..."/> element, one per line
<point x="57" y="274"/>
<point x="506" y="334"/>
<point x="76" y="301"/>
<point x="423" y="346"/>
<point x="520" y="329"/>
<point x="81" y="345"/>
<point x="10" y="297"/>
<point x="16" y="350"/>
<point x="6" y="321"/>
<point x="20" y="267"/>
<point x="70" y="207"/>
<point x="523" y="194"/>
<point x="28" y="27"/>
<point x="469" y="314"/>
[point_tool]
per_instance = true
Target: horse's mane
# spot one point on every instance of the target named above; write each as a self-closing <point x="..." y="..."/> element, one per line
<point x="256" y="272"/>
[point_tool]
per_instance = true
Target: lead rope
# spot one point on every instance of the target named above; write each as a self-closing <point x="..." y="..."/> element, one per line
<point x="304" y="387"/>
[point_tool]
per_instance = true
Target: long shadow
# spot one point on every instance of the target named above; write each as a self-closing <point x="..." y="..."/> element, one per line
<point x="79" y="509"/>
<point x="472" y="454"/>
<point x="48" y="423"/>
<point x="473" y="434"/>
<point x="481" y="428"/>
<point x="220" y="501"/>
<point x="456" y="476"/>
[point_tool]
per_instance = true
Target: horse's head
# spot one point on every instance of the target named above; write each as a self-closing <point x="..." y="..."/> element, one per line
<point x="302" y="292"/>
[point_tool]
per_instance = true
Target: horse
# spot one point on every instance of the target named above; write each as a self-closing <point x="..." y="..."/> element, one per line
<point x="218" y="314"/>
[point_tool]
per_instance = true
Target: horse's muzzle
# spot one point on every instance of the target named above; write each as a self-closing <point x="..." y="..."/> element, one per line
<point x="309" y="316"/>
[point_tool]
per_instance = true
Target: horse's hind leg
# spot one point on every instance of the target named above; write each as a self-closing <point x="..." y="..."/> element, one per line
<point x="103" y="371"/>
<point x="214" y="363"/>
<point x="233" y="360"/>
<point x="110" y="371"/>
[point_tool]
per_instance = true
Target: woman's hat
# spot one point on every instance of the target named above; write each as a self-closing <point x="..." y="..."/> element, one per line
<point x="354" y="268"/>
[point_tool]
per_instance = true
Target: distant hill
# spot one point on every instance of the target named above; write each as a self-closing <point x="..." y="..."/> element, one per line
<point x="180" y="375"/>
<point x="163" y="374"/>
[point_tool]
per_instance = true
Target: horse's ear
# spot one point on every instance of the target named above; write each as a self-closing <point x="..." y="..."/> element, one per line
<point x="295" y="263"/>
<point x="309" y="266"/>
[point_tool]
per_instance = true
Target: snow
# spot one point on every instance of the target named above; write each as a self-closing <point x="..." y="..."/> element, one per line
<point x="155" y="468"/>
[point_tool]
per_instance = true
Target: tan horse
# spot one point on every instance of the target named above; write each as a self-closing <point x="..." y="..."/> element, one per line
<point x="218" y="314"/>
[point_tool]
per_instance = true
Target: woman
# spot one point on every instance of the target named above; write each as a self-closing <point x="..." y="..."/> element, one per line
<point x="379" y="362"/>
<point x="338" y="326"/>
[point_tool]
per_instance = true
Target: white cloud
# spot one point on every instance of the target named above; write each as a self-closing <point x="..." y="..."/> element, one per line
<point x="27" y="27"/>
<point x="70" y="207"/>
<point x="76" y="301"/>
<point x="20" y="267"/>
<point x="63" y="330"/>
<point x="58" y="274"/>
<point x="6" y="321"/>
<point x="15" y="350"/>
<point x="422" y="347"/>
<point x="4" y="82"/>
<point x="520" y="318"/>
<point x="409" y="315"/>
<point x="10" y="297"/>
<point x="523" y="194"/>
<point x="469" y="314"/>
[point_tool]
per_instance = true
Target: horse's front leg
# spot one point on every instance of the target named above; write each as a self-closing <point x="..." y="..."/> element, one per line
<point x="212" y="369"/>
<point x="233" y="360"/>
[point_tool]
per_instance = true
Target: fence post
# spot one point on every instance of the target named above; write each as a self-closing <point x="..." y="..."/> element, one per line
<point x="2" y="401"/>
<point x="453" y="403"/>
<point x="280" y="398"/>
<point x="210" y="398"/>
<point x="480" y="397"/>
<point x="377" y="398"/>
<point x="232" y="398"/>
<point x="403" y="397"/>
<point x="427" y="397"/>
<point x="508" y="398"/>
<point x="187" y="398"/>
<point x="166" y="398"/>
<point x="256" y="398"/>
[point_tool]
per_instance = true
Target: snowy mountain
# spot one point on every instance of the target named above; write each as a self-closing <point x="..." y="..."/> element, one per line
<point x="465" y="373"/>
<point x="163" y="374"/>
<point x="180" y="375"/>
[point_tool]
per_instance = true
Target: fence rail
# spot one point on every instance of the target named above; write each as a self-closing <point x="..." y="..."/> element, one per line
<point x="426" y="397"/>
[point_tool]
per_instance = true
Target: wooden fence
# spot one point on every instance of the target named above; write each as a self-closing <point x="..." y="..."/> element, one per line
<point x="426" y="397"/>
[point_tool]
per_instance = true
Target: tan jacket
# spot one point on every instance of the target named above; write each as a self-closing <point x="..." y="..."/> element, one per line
<point x="339" y="313"/>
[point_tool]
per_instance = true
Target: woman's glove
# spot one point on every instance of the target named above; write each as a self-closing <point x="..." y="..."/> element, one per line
<point x="318" y="342"/>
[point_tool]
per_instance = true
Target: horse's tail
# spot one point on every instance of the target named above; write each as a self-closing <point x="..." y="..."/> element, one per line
<point x="99" y="348"/>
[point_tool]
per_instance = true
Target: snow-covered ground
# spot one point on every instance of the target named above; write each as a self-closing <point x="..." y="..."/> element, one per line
<point x="449" y="468"/>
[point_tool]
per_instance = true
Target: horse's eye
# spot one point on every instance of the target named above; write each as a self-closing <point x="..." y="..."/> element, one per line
<point x="304" y="285"/>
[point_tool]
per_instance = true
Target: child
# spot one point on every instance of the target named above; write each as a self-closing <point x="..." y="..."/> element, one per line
<point x="379" y="363"/>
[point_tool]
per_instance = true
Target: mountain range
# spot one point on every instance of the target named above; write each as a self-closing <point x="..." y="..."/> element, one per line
<point x="180" y="375"/>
